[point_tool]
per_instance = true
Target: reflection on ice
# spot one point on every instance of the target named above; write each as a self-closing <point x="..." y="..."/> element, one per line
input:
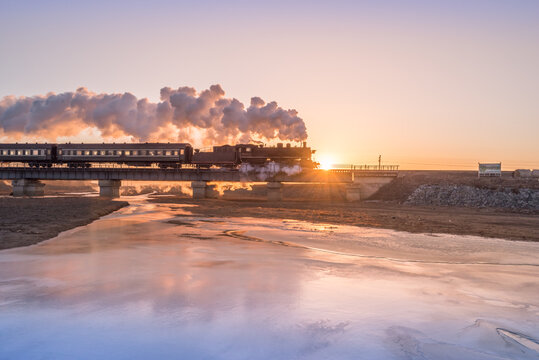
<point x="153" y="281"/>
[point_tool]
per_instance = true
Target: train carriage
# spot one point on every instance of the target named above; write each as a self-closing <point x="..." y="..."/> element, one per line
<point x="35" y="155"/>
<point x="166" y="155"/>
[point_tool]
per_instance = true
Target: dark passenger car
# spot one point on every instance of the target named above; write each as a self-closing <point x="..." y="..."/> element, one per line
<point x="144" y="154"/>
<point x="33" y="154"/>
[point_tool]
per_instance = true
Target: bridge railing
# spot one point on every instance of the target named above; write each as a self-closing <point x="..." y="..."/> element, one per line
<point x="366" y="168"/>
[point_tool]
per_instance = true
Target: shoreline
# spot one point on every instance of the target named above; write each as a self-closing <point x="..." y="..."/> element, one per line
<point x="491" y="223"/>
<point x="28" y="221"/>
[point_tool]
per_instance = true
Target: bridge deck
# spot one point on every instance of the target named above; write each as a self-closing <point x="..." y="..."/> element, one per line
<point x="156" y="174"/>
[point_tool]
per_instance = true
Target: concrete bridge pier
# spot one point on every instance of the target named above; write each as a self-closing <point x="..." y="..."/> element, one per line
<point x="199" y="189"/>
<point x="109" y="188"/>
<point x="27" y="187"/>
<point x="274" y="191"/>
<point x="369" y="185"/>
<point x="353" y="192"/>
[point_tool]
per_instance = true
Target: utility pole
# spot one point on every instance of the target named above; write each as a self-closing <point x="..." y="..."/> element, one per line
<point x="379" y="162"/>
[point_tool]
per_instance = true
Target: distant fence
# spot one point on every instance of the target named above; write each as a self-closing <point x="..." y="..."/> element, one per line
<point x="367" y="168"/>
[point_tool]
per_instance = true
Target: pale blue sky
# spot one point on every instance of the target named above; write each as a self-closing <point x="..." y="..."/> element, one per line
<point x="421" y="82"/>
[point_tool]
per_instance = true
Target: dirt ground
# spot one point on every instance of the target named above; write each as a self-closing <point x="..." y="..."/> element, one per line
<point x="26" y="221"/>
<point x="388" y="215"/>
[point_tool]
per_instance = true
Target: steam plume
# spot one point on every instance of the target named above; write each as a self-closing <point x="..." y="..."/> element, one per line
<point x="182" y="114"/>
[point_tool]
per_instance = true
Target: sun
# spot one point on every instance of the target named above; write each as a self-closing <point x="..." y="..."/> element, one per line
<point x="326" y="162"/>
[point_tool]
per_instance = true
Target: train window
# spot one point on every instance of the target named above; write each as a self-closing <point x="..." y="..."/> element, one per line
<point x="157" y="152"/>
<point x="79" y="152"/>
<point x="149" y="152"/>
<point x="19" y="152"/>
<point x="168" y="153"/>
<point x="48" y="151"/>
<point x="139" y="152"/>
<point x="87" y="152"/>
<point x="129" y="152"/>
<point x="181" y="151"/>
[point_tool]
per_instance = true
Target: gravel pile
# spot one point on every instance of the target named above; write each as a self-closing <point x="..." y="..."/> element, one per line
<point x="470" y="196"/>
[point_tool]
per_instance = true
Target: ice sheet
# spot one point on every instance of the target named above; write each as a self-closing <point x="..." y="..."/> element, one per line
<point x="153" y="281"/>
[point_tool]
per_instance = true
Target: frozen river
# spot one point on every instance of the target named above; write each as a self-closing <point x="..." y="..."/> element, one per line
<point x="151" y="281"/>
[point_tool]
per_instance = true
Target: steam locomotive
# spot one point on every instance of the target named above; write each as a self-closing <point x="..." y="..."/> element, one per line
<point x="164" y="155"/>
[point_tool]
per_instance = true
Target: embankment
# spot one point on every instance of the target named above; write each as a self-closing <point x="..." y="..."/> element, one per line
<point x="469" y="196"/>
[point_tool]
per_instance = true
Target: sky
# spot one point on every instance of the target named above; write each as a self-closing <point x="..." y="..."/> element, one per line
<point x="425" y="84"/>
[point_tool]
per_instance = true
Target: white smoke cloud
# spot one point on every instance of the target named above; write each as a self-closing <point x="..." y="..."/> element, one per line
<point x="181" y="113"/>
<point x="268" y="170"/>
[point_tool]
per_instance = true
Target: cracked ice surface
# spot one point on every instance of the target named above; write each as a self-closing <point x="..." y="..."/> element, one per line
<point x="152" y="281"/>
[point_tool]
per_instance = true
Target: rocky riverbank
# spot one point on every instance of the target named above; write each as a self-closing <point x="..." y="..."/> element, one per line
<point x="470" y="196"/>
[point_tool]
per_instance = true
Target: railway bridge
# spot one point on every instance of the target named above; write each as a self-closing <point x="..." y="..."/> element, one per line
<point x="361" y="181"/>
